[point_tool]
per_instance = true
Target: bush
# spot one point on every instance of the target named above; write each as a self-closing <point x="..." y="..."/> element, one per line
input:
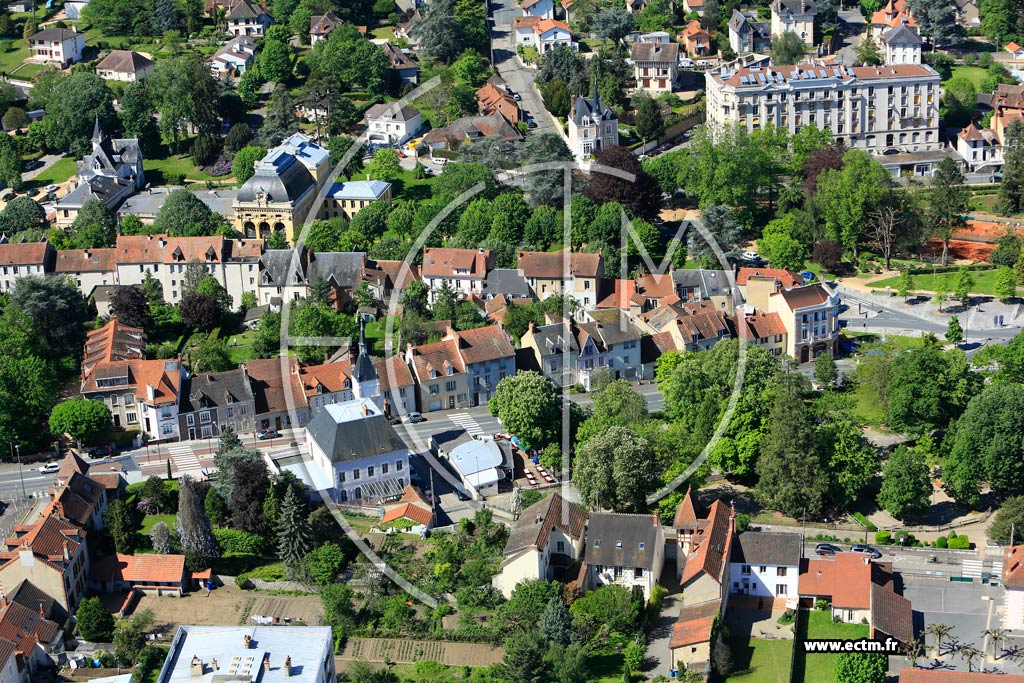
<point x="787" y="617"/>
<point x="742" y="522"/>
<point x="821" y="605"/>
<point x="241" y="542"/>
<point x="960" y="543"/>
<point x="883" y="537"/>
<point x="941" y="542"/>
<point x="242" y="581"/>
<point x="174" y="178"/>
<point x="864" y="522"/>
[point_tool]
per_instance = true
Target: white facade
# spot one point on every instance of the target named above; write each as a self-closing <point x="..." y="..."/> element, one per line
<point x="23" y="260"/>
<point x="605" y="575"/>
<point x="764" y="581"/>
<point x="62" y="46"/>
<point x="1013" y="608"/>
<point x="902" y="54"/>
<point x="543" y="9"/>
<point x="392" y="125"/>
<point x="872" y="108"/>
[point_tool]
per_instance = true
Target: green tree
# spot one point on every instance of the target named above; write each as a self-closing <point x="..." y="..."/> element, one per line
<point x="649" y="123"/>
<point x="964" y="283"/>
<point x="825" y="371"/>
<point x="295" y="538"/>
<point x="859" y="667"/>
<point x="528" y="405"/>
<point x="787" y="48"/>
<point x="183" y="214"/>
<point x="72" y="109"/>
<point x="94" y="226"/>
<point x="906" y="485"/>
<point x="192" y="526"/>
<point x="556" y="98"/>
<point x="780" y="247"/>
<point x="959" y="100"/>
<point x="1005" y="283"/>
<point x="868" y="53"/>
<point x="185" y="94"/>
<point x="95" y="624"/>
<point x="120" y="525"/>
<point x="83" y="419"/>
<point x="998" y="20"/>
<point x="160" y="538"/>
<point x="1009" y="519"/>
<point x="385" y="165"/>
<point x="905" y="286"/>
<point x="942" y="289"/>
<point x="615" y="467"/>
<point x="524" y="661"/>
<point x="275" y="61"/>
<point x="987" y="444"/>
<point x="56" y="311"/>
<point x="211" y="355"/>
<point x="947" y="203"/>
<point x="244" y="164"/>
<point x="792" y="479"/>
<point x="954" y="333"/>
<point x="846" y="196"/>
<point x="324" y="563"/>
<point x="22" y="213"/>
<point x="608" y="605"/>
<point x="1011" y="188"/>
<point x="10" y="164"/>
<point x="215" y="507"/>
<point x="472" y="68"/>
<point x="556" y="623"/>
<point x="510" y="212"/>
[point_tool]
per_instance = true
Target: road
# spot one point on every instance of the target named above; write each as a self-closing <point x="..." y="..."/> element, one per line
<point x="10" y="481"/>
<point x="853" y="26"/>
<point x="518" y="78"/>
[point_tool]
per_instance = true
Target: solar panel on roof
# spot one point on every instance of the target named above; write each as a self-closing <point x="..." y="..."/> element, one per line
<point x="793" y="74"/>
<point x="836" y="72"/>
<point x="823" y="73"/>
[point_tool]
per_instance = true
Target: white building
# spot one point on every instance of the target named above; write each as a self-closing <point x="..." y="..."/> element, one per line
<point x="979" y="148"/>
<point x="544" y="9"/>
<point x="546" y="540"/>
<point x="885" y="109"/>
<point x="391" y="124"/>
<point x="286" y="654"/>
<point x="611" y="344"/>
<point x="61" y="45"/>
<point x="246" y="18"/>
<point x="902" y="45"/>
<point x="623" y="549"/>
<point x="124" y="65"/>
<point x="593" y="126"/>
<point x="234" y="58"/>
<point x="794" y="16"/>
<point x="356" y="453"/>
<point x="654" y="66"/>
<point x="464" y="270"/>
<point x="1013" y="584"/>
<point x="766" y="565"/>
<point x="542" y="34"/>
<point x="21" y="259"/>
<point x="480" y="464"/>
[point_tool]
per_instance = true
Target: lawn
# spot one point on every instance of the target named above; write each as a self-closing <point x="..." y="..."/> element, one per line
<point x="385" y="32"/>
<point x="29" y="72"/>
<point x="158" y="170"/>
<point x="984" y="282"/>
<point x="757" y="660"/>
<point x="56" y="174"/>
<point x="975" y="74"/>
<point x="240" y="346"/>
<point x="13" y="58"/>
<point x="820" y="667"/>
<point x="149" y="521"/>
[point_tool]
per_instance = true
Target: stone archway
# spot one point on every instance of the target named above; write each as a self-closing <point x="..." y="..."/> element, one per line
<point x="249" y="229"/>
<point x="264" y="229"/>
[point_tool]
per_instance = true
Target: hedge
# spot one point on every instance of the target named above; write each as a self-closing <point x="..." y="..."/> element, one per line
<point x="960" y="543"/>
<point x="864" y="522"/>
<point x="241" y="542"/>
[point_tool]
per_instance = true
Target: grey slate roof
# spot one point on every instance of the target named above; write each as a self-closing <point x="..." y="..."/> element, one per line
<point x="125" y="61"/>
<point x="793" y="6"/>
<point x="741" y="23"/>
<point x="244" y="9"/>
<point x="710" y="282"/>
<point x="507" y="281"/>
<point x="276" y="268"/>
<point x="655" y="52"/>
<point x="902" y="35"/>
<point x="355" y="439"/>
<point x="280" y="176"/>
<point x="619" y="540"/>
<point x="550" y="339"/>
<point x="212" y="389"/>
<point x="392" y="112"/>
<point x="344" y="268"/>
<point x="363" y="370"/>
<point x="99" y="187"/>
<point x="535" y="524"/>
<point x="755" y="547"/>
<point x="592" y="107"/>
<point x="54" y="35"/>
<point x="611" y="327"/>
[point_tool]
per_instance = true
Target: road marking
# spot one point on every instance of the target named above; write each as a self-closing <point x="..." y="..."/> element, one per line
<point x="184" y="458"/>
<point x="467" y="422"/>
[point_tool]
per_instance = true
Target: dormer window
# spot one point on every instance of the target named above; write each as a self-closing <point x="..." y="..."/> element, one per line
<point x="433" y="373"/>
<point x="449" y="371"/>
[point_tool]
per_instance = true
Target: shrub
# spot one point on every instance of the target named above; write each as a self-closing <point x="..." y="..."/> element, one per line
<point x="241" y="542"/>
<point x="864" y="522"/>
<point x="742" y="522"/>
<point x="883" y="537"/>
<point x="175" y="178"/>
<point x="821" y="605"/>
<point x="960" y="543"/>
<point x="941" y="542"/>
<point x="952" y="534"/>
<point x="787" y="617"/>
<point x="242" y="581"/>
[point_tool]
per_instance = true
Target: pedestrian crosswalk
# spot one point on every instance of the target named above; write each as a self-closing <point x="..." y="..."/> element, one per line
<point x="972" y="568"/>
<point x="466" y="421"/>
<point x="184" y="458"/>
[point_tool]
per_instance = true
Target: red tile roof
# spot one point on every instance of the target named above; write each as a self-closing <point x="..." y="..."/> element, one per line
<point x="891" y="614"/>
<point x="143" y="569"/>
<point x="546" y="25"/>
<point x="711" y="546"/>
<point x="694" y="624"/>
<point x="1012" y="47"/>
<point x="551" y="265"/>
<point x="438" y="356"/>
<point x="393" y="373"/>
<point x="161" y="248"/>
<point x="758" y="325"/>
<point x="845" y="579"/>
<point x="1013" y="566"/>
<point x="440" y="262"/>
<point x="163" y="375"/>
<point x="483" y="344"/>
<point x="784" y="278"/>
<point x="808" y="295"/>
<point x="269" y="387"/>
<point x="23" y="253"/>
<point x="689" y="512"/>
<point x="48" y="538"/>
<point x="409" y="511"/>
<point x="526" y="21"/>
<point x="86" y="261"/>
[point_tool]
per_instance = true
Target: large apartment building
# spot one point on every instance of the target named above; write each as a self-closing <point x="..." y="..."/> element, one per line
<point x="883" y="109"/>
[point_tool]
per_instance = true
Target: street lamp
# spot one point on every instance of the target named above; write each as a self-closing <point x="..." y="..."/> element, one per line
<point x="21" y="475"/>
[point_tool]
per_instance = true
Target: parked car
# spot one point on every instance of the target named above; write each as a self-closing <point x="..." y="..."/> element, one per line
<point x="401" y="155"/>
<point x="393" y="420"/>
<point x="440" y="161"/>
<point x="265" y="434"/>
<point x="49" y="468"/>
<point x="686" y="63"/>
<point x="866" y="549"/>
<point x="32" y="165"/>
<point x="531" y="124"/>
<point x="413" y="418"/>
<point x="517" y="97"/>
<point x="751" y="256"/>
<point x="824" y="549"/>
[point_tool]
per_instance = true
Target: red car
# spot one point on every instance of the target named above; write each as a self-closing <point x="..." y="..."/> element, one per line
<point x="401" y="155"/>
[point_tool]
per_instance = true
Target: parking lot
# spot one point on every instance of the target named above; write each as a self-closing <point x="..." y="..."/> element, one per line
<point x="969" y="608"/>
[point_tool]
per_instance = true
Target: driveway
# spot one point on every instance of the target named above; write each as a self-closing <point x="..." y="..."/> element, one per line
<point x="853" y="26"/>
<point x="48" y="161"/>
<point x="519" y="78"/>
<point x="659" y="657"/>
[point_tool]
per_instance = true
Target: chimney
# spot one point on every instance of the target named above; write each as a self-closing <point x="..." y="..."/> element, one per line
<point x="149" y="238"/>
<point x="657" y="518"/>
<point x="86" y="252"/>
<point x="288" y="666"/>
<point x="163" y="242"/>
<point x="41" y="612"/>
<point x="248" y="642"/>
<point x="59" y="507"/>
<point x="3" y="602"/>
<point x="26" y="557"/>
<point x="195" y="668"/>
<point x="150" y="392"/>
<point x="67" y="556"/>
<point x="732" y="518"/>
<point x="266" y="663"/>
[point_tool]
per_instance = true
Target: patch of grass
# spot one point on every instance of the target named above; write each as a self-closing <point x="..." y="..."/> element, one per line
<point x="240" y="346"/>
<point x="760" y="661"/>
<point x="385" y="32"/>
<point x="149" y="521"/>
<point x="56" y="174"/>
<point x="606" y="668"/>
<point x="10" y="60"/>
<point x="984" y="282"/>
<point x="29" y="71"/>
<point x="820" y="667"/>
<point x="266" y="568"/>
<point x="975" y="74"/>
<point x="158" y="170"/>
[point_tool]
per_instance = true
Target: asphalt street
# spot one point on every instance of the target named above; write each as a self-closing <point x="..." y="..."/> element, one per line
<point x="518" y="78"/>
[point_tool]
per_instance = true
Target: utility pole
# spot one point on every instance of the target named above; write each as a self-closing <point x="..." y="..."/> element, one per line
<point x="21" y="474"/>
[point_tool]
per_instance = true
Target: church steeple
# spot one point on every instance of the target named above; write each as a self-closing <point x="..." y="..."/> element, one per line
<point x="365" y="381"/>
<point x="97" y="134"/>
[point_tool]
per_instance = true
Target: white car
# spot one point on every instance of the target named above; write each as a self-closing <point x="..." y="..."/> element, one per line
<point x="440" y="161"/>
<point x="49" y="468"/>
<point x="750" y="256"/>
